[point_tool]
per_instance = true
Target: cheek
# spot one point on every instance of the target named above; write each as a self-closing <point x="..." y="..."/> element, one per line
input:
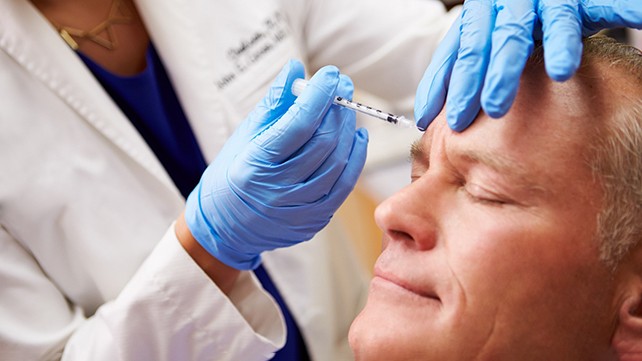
<point x="514" y="267"/>
<point x="505" y="248"/>
<point x="499" y="244"/>
<point x="484" y="247"/>
<point x="528" y="279"/>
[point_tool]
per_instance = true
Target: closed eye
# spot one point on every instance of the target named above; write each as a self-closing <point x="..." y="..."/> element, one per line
<point x="418" y="169"/>
<point x="479" y="195"/>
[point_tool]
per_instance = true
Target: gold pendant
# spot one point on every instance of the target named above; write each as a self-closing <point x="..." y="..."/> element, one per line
<point x="119" y="13"/>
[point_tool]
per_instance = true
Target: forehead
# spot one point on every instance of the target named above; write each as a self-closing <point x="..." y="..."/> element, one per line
<point x="549" y="132"/>
<point x="544" y="141"/>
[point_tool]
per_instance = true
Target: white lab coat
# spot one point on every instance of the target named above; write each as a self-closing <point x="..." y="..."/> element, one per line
<point x="90" y="268"/>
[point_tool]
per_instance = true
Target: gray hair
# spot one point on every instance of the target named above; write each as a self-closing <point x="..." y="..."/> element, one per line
<point x="616" y="154"/>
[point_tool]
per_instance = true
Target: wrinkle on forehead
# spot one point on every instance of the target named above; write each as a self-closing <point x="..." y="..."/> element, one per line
<point x="519" y="174"/>
<point x="510" y="168"/>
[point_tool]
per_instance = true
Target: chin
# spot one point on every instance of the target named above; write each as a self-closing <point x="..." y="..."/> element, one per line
<point x="369" y="341"/>
<point x="389" y="330"/>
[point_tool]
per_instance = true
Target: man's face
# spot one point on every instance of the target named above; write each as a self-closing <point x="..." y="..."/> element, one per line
<point x="490" y="253"/>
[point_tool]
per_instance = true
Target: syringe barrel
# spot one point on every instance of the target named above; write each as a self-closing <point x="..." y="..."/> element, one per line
<point x="299" y="85"/>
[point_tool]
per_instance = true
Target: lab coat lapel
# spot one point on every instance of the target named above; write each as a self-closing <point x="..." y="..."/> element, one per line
<point x="187" y="53"/>
<point x="33" y="43"/>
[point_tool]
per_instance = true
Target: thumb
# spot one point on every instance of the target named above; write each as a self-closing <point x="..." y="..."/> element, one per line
<point x="277" y="101"/>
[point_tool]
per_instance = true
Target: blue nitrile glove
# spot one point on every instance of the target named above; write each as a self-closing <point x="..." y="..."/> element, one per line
<point x="488" y="46"/>
<point x="282" y="174"/>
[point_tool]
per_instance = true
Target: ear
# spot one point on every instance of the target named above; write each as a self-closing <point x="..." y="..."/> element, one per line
<point x="627" y="341"/>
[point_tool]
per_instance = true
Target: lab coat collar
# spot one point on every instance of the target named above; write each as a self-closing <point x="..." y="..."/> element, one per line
<point x="27" y="37"/>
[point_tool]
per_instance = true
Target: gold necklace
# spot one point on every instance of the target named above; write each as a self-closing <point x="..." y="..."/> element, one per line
<point x="119" y="13"/>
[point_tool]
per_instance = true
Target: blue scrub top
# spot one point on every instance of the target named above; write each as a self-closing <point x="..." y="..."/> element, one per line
<point x="149" y="101"/>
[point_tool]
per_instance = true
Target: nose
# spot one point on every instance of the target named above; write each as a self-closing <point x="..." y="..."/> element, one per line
<point x="408" y="216"/>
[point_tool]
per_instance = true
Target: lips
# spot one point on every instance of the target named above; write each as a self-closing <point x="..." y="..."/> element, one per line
<point x="405" y="285"/>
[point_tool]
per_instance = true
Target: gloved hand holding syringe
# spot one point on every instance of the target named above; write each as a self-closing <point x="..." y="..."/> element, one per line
<point x="300" y="84"/>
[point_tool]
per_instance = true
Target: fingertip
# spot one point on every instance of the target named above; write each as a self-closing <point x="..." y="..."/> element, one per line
<point x="457" y="123"/>
<point x="324" y="80"/>
<point x="432" y="89"/>
<point x="424" y="116"/>
<point x="495" y="112"/>
<point x="279" y="96"/>
<point x="495" y="107"/>
<point x="419" y="116"/>
<point x="362" y="133"/>
<point x="460" y="117"/>
<point x="315" y="100"/>
<point x="328" y="72"/>
<point x="560" y="75"/>
<point x="422" y="123"/>
<point x="291" y="70"/>
<point x="346" y="80"/>
<point x="345" y="88"/>
<point x="499" y="94"/>
<point x="562" y="60"/>
<point x="296" y="71"/>
<point x="562" y="39"/>
<point x="561" y="70"/>
<point x="297" y="66"/>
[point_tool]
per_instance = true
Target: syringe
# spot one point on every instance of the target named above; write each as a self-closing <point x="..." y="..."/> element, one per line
<point x="300" y="84"/>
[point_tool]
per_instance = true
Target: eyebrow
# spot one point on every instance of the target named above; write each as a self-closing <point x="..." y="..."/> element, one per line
<point x="418" y="151"/>
<point x="420" y="148"/>
<point x="519" y="174"/>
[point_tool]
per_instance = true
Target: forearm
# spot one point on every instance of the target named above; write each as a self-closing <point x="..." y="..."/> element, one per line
<point x="223" y="275"/>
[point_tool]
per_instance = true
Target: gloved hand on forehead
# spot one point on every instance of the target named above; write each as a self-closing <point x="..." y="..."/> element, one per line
<point x="284" y="172"/>
<point x="480" y="61"/>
